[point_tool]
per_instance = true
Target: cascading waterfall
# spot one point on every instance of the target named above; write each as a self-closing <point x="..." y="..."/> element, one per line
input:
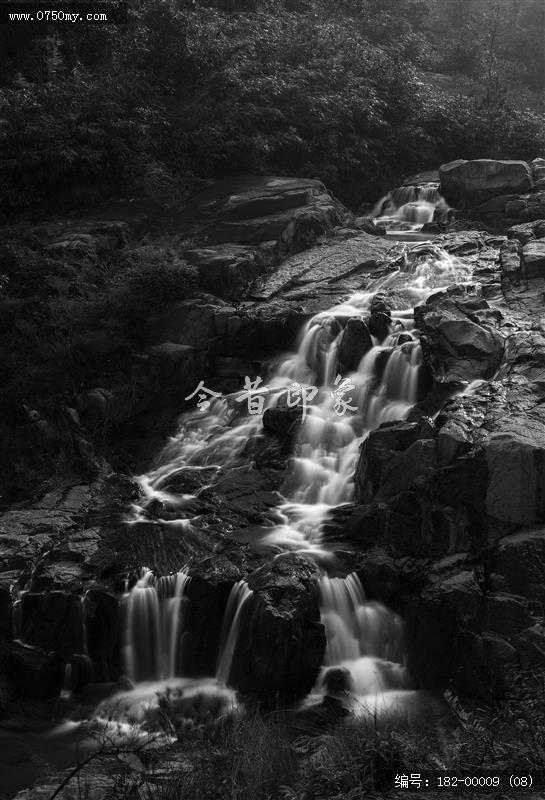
<point x="239" y="595"/>
<point x="364" y="638"/>
<point x="407" y="208"/>
<point x="153" y="624"/>
<point x="382" y="388"/>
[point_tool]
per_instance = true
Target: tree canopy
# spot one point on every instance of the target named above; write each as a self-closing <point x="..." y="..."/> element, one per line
<point x="355" y="93"/>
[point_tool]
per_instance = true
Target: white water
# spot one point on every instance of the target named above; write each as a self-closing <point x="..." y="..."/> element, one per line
<point x="153" y="622"/>
<point x="407" y="208"/>
<point x="361" y="636"/>
<point x="365" y="638"/>
<point x="240" y="594"/>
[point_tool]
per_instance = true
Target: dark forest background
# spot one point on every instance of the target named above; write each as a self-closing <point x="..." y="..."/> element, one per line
<point x="355" y="92"/>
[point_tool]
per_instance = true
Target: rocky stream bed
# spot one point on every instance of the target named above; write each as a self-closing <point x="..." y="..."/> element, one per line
<point x="436" y="506"/>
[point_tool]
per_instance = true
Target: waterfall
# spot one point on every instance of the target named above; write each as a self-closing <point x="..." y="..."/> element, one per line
<point x="345" y="408"/>
<point x="418" y="211"/>
<point x="408" y="208"/>
<point x="365" y="638"/>
<point x="238" y="596"/>
<point x="153" y="623"/>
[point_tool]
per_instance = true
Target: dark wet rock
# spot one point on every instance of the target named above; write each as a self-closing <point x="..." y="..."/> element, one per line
<point x="175" y="366"/>
<point x="458" y="339"/>
<point x="381" y="303"/>
<point x="102" y="622"/>
<point x="527" y="232"/>
<point x="379" y="575"/>
<point x="381" y="361"/>
<point x="187" y="323"/>
<point x="53" y="621"/>
<point x="207" y="594"/>
<point x="520" y="562"/>
<point x="354" y="344"/>
<point x="369" y="225"/>
<point x="538" y="168"/>
<point x="485" y="665"/>
<point x="9" y="584"/>
<point x="527" y="207"/>
<point x="454" y="439"/>
<point x="270" y="451"/>
<point x="533" y="259"/>
<point x="445" y="608"/>
<point x="22" y="552"/>
<point x="462" y="243"/>
<point x="469" y="183"/>
<point x="34" y="673"/>
<point x="282" y="640"/>
<point x="60" y="575"/>
<point x="379" y="325"/>
<point x="387" y="462"/>
<point x="241" y="496"/>
<point x="404" y="531"/>
<point x="96" y="406"/>
<point x="511" y="259"/>
<point x="515" y="457"/>
<point x="314" y="280"/>
<point x="462" y="486"/>
<point x="505" y="614"/>
<point x="78" y="546"/>
<point x="227" y="269"/>
<point x="359" y="526"/>
<point x="530" y="646"/>
<point x="282" y="422"/>
<point x="292" y="212"/>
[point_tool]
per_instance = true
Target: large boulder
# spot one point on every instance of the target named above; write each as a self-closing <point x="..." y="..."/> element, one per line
<point x="515" y="457"/>
<point x="533" y="259"/>
<point x="527" y="231"/>
<point x="251" y="210"/>
<point x="459" y="339"/>
<point x="226" y="269"/>
<point x="469" y="183"/>
<point x="324" y="275"/>
<point x="446" y="608"/>
<point x="53" y="621"/>
<point x="34" y="673"/>
<point x="175" y="366"/>
<point x="510" y="259"/>
<point x="518" y="564"/>
<point x="354" y="344"/>
<point x="282" y="641"/>
<point x="526" y="207"/>
<point x="392" y="456"/>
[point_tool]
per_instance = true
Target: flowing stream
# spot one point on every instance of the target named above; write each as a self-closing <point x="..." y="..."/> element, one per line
<point x="340" y="411"/>
<point x="364" y="639"/>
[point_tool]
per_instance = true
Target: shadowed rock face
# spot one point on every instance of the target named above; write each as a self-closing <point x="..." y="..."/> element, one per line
<point x="469" y="183"/>
<point x="459" y="338"/>
<point x="354" y="344"/>
<point x="284" y="641"/>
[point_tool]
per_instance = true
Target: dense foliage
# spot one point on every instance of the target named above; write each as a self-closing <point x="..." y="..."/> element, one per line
<point x="355" y="93"/>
